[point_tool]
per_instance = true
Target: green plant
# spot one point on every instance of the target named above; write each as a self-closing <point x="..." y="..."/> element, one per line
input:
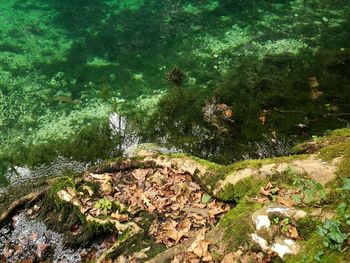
<point x="311" y="190"/>
<point x="346" y="185"/>
<point x="285" y="225"/>
<point x="318" y="256"/>
<point x="344" y="213"/>
<point x="333" y="237"/>
<point x="104" y="204"/>
<point x="343" y="209"/>
<point x="316" y="138"/>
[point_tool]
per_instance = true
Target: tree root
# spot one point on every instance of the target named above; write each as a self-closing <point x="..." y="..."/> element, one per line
<point x="129" y="230"/>
<point x="131" y="233"/>
<point x="22" y="201"/>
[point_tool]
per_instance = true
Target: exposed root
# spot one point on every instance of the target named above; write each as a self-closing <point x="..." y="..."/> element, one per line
<point x="129" y="230"/>
<point x="131" y="233"/>
<point x="22" y="201"/>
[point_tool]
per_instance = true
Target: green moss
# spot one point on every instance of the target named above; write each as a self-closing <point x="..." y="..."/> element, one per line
<point x="313" y="248"/>
<point x="237" y="225"/>
<point x="286" y="177"/>
<point x="250" y="186"/>
<point x="258" y="163"/>
<point x="335" y="150"/>
<point x="247" y="187"/>
<point x="214" y="171"/>
<point x="92" y="231"/>
<point x="306" y="227"/>
<point x="340" y="132"/>
<point x="3" y="181"/>
<point x="66" y="179"/>
<point x="213" y="175"/>
<point x="343" y="169"/>
<point x="140" y="242"/>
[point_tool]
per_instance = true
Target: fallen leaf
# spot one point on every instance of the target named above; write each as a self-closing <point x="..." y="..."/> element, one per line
<point x="140" y="174"/>
<point x="265" y="192"/>
<point x="7" y="252"/>
<point x="200" y="247"/>
<point x="103" y="177"/>
<point x="170" y="227"/>
<point x="285" y="201"/>
<point x="106" y="188"/>
<point x="184" y="228"/>
<point x="293" y="232"/>
<point x="206" y="198"/>
<point x="232" y="257"/>
<point x="62" y="194"/>
<point x="88" y="189"/>
<point x="203" y="212"/>
<point x="120" y="217"/>
<point x="18" y="248"/>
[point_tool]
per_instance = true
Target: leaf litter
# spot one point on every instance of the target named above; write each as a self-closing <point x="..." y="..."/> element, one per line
<point x="181" y="208"/>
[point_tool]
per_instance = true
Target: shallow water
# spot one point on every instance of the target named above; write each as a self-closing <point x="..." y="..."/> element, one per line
<point x="25" y="238"/>
<point x="213" y="79"/>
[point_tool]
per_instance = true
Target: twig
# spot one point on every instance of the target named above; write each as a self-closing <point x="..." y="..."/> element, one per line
<point x="337" y="114"/>
<point x="289" y="111"/>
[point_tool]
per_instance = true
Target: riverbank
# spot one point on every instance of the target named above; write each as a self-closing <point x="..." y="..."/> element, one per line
<point x="178" y="208"/>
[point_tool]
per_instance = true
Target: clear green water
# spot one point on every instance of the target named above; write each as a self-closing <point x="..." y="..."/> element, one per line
<point x="66" y="65"/>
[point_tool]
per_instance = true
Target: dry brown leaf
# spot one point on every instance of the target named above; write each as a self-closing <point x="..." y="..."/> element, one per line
<point x="232" y="257"/>
<point x="103" y="177"/>
<point x="268" y="185"/>
<point x="285" y="201"/>
<point x="216" y="209"/>
<point x="265" y="192"/>
<point x="106" y="188"/>
<point x="200" y="247"/>
<point x="247" y="259"/>
<point x="120" y="217"/>
<point x="62" y="194"/>
<point x="190" y="257"/>
<point x="88" y="189"/>
<point x="184" y="228"/>
<point x="170" y="227"/>
<point x="157" y="178"/>
<point x="261" y="200"/>
<point x="293" y="232"/>
<point x="177" y="259"/>
<point x="140" y="174"/>
<point x="71" y="191"/>
<point x="165" y="170"/>
<point x="40" y="248"/>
